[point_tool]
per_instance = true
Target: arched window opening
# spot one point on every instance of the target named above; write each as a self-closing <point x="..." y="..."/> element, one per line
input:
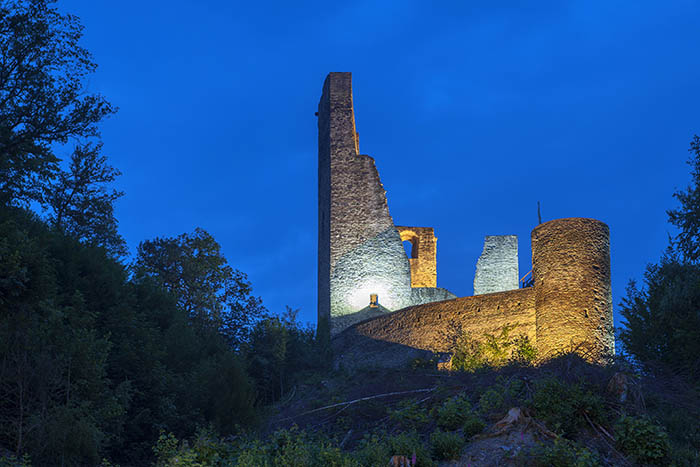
<point x="411" y="247"/>
<point x="408" y="247"/>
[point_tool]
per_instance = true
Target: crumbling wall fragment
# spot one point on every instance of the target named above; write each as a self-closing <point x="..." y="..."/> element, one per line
<point x="423" y="259"/>
<point x="497" y="267"/>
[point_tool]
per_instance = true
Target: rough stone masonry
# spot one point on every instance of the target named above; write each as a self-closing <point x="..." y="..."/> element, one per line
<point x="497" y="268"/>
<point x="361" y="255"/>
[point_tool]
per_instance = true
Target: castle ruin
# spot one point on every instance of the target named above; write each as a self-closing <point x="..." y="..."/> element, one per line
<point x="369" y="290"/>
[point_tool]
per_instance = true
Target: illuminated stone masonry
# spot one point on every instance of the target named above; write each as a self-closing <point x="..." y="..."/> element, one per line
<point x="423" y="259"/>
<point x="361" y="258"/>
<point x="497" y="268"/>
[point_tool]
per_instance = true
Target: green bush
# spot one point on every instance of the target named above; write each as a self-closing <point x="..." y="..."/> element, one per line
<point x="473" y="426"/>
<point x="409" y="415"/>
<point x="454" y="412"/>
<point x="206" y="450"/>
<point x="524" y="351"/>
<point x="446" y="445"/>
<point x="492" y="400"/>
<point x="641" y="439"/>
<point x="470" y="354"/>
<point x="13" y="461"/>
<point x="561" y="453"/>
<point x="563" y="407"/>
<point x="372" y="450"/>
<point x="377" y="449"/>
<point x="295" y="447"/>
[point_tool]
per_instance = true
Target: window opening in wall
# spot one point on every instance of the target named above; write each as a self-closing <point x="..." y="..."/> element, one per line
<point x="408" y="247"/>
<point x="411" y="247"/>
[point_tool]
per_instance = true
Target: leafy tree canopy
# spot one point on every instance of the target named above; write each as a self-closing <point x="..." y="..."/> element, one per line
<point x="81" y="204"/>
<point x="687" y="217"/>
<point x="663" y="318"/>
<point x="193" y="269"/>
<point x="662" y="327"/>
<point x="42" y="95"/>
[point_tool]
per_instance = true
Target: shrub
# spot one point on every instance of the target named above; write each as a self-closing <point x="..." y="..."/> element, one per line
<point x="377" y="449"/>
<point x="445" y="445"/>
<point x="561" y="453"/>
<point x="640" y="438"/>
<point x="207" y="449"/>
<point x="492" y="400"/>
<point x="524" y="351"/>
<point x="454" y="412"/>
<point x="473" y="426"/>
<point x="409" y="415"/>
<point x="372" y="450"/>
<point x="13" y="461"/>
<point x="563" y="406"/>
<point x="470" y="354"/>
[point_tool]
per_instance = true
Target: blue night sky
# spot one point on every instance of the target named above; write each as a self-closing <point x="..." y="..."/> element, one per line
<point x="473" y="113"/>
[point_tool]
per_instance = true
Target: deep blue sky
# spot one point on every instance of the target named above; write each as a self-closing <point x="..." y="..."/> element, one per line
<point x="473" y="113"/>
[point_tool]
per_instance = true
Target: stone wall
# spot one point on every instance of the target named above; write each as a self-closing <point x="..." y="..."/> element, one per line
<point x="423" y="258"/>
<point x="497" y="267"/>
<point x="396" y="337"/>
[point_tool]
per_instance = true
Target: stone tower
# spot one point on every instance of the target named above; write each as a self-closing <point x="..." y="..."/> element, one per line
<point x="359" y="249"/>
<point x="571" y="269"/>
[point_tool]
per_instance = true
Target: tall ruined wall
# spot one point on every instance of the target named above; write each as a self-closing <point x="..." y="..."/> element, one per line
<point x="360" y="251"/>
<point x="571" y="270"/>
<point x="389" y="340"/>
<point x="497" y="267"/>
<point x="423" y="258"/>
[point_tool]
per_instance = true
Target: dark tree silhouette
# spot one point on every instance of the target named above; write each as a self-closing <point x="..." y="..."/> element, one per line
<point x="43" y="102"/>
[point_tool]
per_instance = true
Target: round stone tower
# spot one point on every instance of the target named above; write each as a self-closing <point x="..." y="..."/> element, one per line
<point x="573" y="299"/>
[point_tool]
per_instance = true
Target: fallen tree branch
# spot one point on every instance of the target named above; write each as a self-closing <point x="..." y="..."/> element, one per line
<point x="346" y="403"/>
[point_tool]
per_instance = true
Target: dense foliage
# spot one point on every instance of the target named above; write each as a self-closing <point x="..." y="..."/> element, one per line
<point x="42" y="95"/>
<point x="662" y="329"/>
<point x="98" y="357"/>
<point x="192" y="269"/>
<point x="92" y="362"/>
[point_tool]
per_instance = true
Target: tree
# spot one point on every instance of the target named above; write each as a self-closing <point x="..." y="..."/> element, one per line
<point x="687" y="217"/>
<point x="56" y="402"/>
<point x="193" y="269"/>
<point x="663" y="318"/>
<point x="42" y="97"/>
<point x="80" y="203"/>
